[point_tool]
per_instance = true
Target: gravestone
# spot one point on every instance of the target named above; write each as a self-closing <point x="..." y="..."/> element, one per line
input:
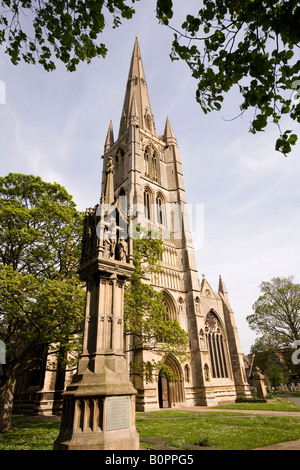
<point x="260" y="383"/>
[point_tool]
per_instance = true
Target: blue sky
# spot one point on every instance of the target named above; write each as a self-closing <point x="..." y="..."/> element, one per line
<point x="54" y="125"/>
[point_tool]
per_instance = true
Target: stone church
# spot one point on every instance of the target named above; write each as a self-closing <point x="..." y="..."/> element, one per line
<point x="142" y="177"/>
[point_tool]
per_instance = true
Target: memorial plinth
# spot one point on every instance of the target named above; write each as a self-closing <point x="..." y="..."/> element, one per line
<point x="99" y="404"/>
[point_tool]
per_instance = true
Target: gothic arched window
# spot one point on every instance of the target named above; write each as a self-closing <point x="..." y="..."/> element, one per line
<point x="216" y="346"/>
<point x="159" y="210"/>
<point x="147" y="204"/>
<point x="170" y="307"/>
<point x="122" y="200"/>
<point x="119" y="165"/>
<point x="146" y="163"/>
<point x="154" y="167"/>
<point x="123" y="123"/>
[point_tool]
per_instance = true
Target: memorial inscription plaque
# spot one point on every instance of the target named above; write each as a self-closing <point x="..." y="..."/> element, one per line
<point x="117" y="413"/>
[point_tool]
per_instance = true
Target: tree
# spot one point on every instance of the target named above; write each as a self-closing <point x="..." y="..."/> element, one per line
<point x="147" y="322"/>
<point x="249" y="45"/>
<point x="40" y="228"/>
<point x="34" y="313"/>
<point x="275" y="362"/>
<point x="245" y="44"/>
<point x="276" y="315"/>
<point x="276" y="375"/>
<point x="63" y="30"/>
<point x="41" y="299"/>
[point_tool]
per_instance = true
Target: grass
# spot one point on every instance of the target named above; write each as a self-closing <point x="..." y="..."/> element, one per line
<point x="28" y="435"/>
<point x="220" y="430"/>
<point x="295" y="393"/>
<point x="223" y="431"/>
<point x="275" y="404"/>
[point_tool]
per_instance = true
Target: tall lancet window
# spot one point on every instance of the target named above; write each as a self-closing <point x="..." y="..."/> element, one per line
<point x="147" y="206"/>
<point x="123" y="123"/>
<point x="159" y="210"/>
<point x="146" y="163"/>
<point x="154" y="168"/>
<point x="217" y="346"/>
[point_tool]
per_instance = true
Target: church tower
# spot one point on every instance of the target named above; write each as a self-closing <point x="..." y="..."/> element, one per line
<point x="148" y="187"/>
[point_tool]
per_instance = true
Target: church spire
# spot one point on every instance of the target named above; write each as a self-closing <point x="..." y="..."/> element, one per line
<point x="169" y="136"/>
<point x="222" y="288"/>
<point x="109" y="138"/>
<point x="137" y="91"/>
<point x="133" y="114"/>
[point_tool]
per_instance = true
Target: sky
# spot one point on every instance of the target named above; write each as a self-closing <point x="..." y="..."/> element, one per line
<point x="54" y="125"/>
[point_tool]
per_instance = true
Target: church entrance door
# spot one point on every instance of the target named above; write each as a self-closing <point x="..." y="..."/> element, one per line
<point x="171" y="391"/>
<point x="163" y="391"/>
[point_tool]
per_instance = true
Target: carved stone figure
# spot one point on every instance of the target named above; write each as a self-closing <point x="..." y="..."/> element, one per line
<point x="106" y="244"/>
<point x="206" y="372"/>
<point x="122" y="250"/>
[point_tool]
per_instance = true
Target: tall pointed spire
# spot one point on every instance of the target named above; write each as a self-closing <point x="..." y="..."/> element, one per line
<point x="222" y="288"/>
<point x="169" y="136"/>
<point x="133" y="114"/>
<point x="109" y="138"/>
<point x="137" y="90"/>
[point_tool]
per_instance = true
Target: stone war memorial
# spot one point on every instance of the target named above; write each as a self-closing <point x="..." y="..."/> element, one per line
<point x="99" y="404"/>
<point x="142" y="183"/>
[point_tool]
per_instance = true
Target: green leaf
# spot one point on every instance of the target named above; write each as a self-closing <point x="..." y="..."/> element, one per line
<point x="293" y="139"/>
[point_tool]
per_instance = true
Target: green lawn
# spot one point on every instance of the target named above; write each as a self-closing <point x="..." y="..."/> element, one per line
<point x="224" y="431"/>
<point x="275" y="404"/>
<point x="219" y="429"/>
<point x="28" y="435"/>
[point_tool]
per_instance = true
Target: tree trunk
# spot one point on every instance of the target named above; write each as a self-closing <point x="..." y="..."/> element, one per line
<point x="6" y="402"/>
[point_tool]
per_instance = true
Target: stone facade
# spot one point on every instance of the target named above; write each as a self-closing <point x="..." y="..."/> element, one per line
<point x="149" y="187"/>
<point x="143" y="179"/>
<point x="39" y="390"/>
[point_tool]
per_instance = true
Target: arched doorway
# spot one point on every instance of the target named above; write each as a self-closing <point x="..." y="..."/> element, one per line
<point x="171" y="391"/>
<point x="163" y="391"/>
